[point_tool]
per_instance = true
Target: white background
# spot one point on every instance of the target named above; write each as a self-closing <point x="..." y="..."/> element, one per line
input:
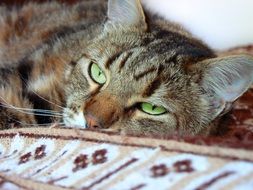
<point x="222" y="24"/>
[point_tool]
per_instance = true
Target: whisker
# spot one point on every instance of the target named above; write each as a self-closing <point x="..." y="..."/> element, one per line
<point x="35" y="124"/>
<point x="46" y="115"/>
<point x="21" y="110"/>
<point x="41" y="96"/>
<point x="29" y="113"/>
<point x="47" y="100"/>
<point x="40" y="111"/>
<point x="37" y="110"/>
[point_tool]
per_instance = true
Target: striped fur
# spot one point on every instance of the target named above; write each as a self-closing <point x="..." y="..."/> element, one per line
<point x="46" y="50"/>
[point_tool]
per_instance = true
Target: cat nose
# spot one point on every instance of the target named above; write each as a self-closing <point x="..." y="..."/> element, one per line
<point x="92" y="122"/>
<point x="102" y="111"/>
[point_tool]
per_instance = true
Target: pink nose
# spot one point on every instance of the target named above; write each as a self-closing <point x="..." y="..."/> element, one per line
<point x="92" y="122"/>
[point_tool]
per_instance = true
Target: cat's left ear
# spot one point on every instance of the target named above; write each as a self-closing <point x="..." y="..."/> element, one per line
<point x="126" y="13"/>
<point x="225" y="79"/>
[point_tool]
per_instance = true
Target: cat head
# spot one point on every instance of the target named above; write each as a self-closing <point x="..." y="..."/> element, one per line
<point x="138" y="77"/>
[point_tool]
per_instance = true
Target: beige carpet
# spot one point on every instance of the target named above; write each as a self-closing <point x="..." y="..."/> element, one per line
<point x="54" y="158"/>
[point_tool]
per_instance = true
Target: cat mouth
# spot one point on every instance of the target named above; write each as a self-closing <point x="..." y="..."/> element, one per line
<point x="75" y="120"/>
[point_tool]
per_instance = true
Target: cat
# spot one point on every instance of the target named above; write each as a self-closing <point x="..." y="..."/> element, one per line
<point x="112" y="66"/>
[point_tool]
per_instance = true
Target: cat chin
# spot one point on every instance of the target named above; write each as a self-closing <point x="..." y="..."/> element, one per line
<point x="75" y="120"/>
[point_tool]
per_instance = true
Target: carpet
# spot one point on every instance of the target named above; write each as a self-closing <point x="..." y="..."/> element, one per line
<point x="60" y="158"/>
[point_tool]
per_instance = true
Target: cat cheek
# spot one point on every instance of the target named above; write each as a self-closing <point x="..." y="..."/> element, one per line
<point x="69" y="70"/>
<point x="145" y="124"/>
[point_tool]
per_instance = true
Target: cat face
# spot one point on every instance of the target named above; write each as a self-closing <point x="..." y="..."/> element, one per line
<point x="131" y="86"/>
<point x="135" y="80"/>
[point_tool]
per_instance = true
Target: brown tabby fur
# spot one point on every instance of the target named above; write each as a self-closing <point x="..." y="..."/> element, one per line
<point x="149" y="61"/>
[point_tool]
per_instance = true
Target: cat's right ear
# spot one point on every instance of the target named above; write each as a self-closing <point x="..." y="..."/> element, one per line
<point x="126" y="13"/>
<point x="225" y="79"/>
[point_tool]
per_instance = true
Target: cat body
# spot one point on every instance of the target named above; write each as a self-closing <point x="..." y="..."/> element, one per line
<point x="111" y="67"/>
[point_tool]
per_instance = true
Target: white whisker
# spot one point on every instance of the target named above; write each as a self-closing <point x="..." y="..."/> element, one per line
<point x="31" y="111"/>
<point x="36" y="110"/>
<point x="41" y="96"/>
<point x="47" y="100"/>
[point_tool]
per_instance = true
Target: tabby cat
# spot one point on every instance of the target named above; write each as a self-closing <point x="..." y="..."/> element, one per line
<point x="112" y="67"/>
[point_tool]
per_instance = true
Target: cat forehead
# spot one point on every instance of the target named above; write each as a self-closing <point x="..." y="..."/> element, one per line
<point x="135" y="54"/>
<point x="135" y="59"/>
<point x="146" y="56"/>
<point x="157" y="43"/>
<point x="134" y="73"/>
<point x="141" y="63"/>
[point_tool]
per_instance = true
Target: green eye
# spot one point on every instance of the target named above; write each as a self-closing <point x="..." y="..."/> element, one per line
<point x="152" y="109"/>
<point x="97" y="74"/>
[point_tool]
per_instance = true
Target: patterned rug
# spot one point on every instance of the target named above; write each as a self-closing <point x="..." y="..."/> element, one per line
<point x="56" y="158"/>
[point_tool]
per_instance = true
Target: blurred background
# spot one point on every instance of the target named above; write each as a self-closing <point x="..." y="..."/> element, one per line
<point x="222" y="24"/>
